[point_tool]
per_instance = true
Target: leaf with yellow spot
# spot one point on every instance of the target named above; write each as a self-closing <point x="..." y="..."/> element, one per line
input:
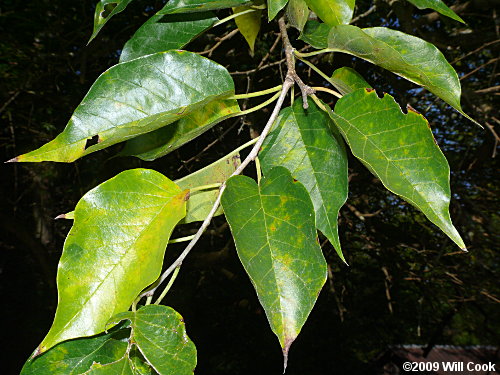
<point x="281" y="257"/>
<point x="248" y="24"/>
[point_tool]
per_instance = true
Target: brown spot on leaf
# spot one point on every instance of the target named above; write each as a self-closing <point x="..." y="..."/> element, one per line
<point x="13" y="160"/>
<point x="187" y="196"/>
<point x="411" y="109"/>
<point x="369" y="89"/>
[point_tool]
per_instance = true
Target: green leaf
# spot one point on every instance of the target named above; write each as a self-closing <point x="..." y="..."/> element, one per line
<point x="201" y="202"/>
<point x="347" y="80"/>
<point x="77" y="356"/>
<point x="137" y="97"/>
<point x="120" y="367"/>
<point x="160" y="335"/>
<point x="248" y="24"/>
<point x="274" y="6"/>
<point x="104" y="10"/>
<point x="138" y="363"/>
<point x="298" y="13"/>
<point x="163" y="33"/>
<point x="438" y="6"/>
<point x="191" y="6"/>
<point x="400" y="150"/>
<point x="333" y="12"/>
<point x="158" y="143"/>
<point x="275" y="235"/>
<point x="113" y="251"/>
<point x="303" y="143"/>
<point x="407" y="56"/>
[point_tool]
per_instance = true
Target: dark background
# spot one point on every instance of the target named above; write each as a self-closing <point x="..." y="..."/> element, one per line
<point x="406" y="283"/>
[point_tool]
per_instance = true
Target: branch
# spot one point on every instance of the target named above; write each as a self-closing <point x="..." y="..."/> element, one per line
<point x="290" y="79"/>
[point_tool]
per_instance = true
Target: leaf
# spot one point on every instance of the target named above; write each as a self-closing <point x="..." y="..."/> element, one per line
<point x="120" y="367"/>
<point x="407" y="56"/>
<point x="163" y="33"/>
<point x="347" y="80"/>
<point x="303" y="143"/>
<point x="248" y="24"/>
<point x="134" y="98"/>
<point x="438" y="6"/>
<point x="77" y="356"/>
<point x="138" y="363"/>
<point x="274" y="6"/>
<point x="333" y="12"/>
<point x="298" y="13"/>
<point x="273" y="228"/>
<point x="158" y="143"/>
<point x="113" y="251"/>
<point x="104" y="10"/>
<point x="191" y="6"/>
<point x="400" y="150"/>
<point x="201" y="202"/>
<point x="160" y="335"/>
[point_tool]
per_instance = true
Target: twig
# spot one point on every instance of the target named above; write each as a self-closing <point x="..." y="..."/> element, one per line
<point x="479" y="67"/>
<point x="290" y="80"/>
<point x="219" y="42"/>
<point x="372" y="9"/>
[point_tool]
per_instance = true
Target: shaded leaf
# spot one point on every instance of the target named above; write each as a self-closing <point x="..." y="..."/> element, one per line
<point x="438" y="6"/>
<point x="333" y="12"/>
<point x="77" y="356"/>
<point x="159" y="333"/>
<point x="407" y="56"/>
<point x="134" y="98"/>
<point x="138" y="363"/>
<point x="163" y="33"/>
<point x="120" y="367"/>
<point x="400" y="150"/>
<point x="275" y="235"/>
<point x="248" y="24"/>
<point x="303" y="143"/>
<point x="113" y="251"/>
<point x="200" y="202"/>
<point x="104" y="10"/>
<point x="274" y="6"/>
<point x="158" y="143"/>
<point x="347" y="80"/>
<point x="191" y="6"/>
<point x="297" y="12"/>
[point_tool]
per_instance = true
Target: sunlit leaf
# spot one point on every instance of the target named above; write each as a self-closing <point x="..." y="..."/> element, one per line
<point x="298" y="13"/>
<point x="160" y="335"/>
<point x="274" y="6"/>
<point x="275" y="235"/>
<point x="438" y="6"/>
<point x="134" y="98"/>
<point x="333" y="12"/>
<point x="200" y="202"/>
<point x="303" y="142"/>
<point x="191" y="6"/>
<point x="347" y="80"/>
<point x="158" y="143"/>
<point x="104" y="10"/>
<point x="405" y="55"/>
<point x="77" y="356"/>
<point x="120" y="367"/>
<point x="163" y="33"/>
<point x="400" y="150"/>
<point x="113" y="251"/>
<point x="248" y="24"/>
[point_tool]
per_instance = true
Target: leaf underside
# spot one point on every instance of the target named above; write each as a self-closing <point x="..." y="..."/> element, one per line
<point x="338" y="12"/>
<point x="347" y="80"/>
<point x="273" y="8"/>
<point x="192" y="6"/>
<point x="438" y="6"/>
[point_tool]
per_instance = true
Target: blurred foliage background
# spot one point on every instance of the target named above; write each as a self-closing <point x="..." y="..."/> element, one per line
<point x="406" y="283"/>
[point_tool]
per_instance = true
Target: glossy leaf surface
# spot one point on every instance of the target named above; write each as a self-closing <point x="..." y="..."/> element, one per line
<point x="303" y="143"/>
<point x="159" y="333"/>
<point x="191" y="6"/>
<point x="405" y="55"/>
<point x="120" y="367"/>
<point x="200" y="202"/>
<point x="347" y="80"/>
<point x="163" y="33"/>
<point x="104" y="10"/>
<point x="333" y="12"/>
<point x="158" y="143"/>
<point x="274" y="6"/>
<point x="77" y="356"/>
<point x="113" y="251"/>
<point x="274" y="231"/>
<point x="248" y="24"/>
<point x="400" y="150"/>
<point x="298" y="13"/>
<point x="438" y="6"/>
<point x="134" y="98"/>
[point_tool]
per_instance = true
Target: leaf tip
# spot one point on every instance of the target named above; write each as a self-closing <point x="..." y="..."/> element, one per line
<point x="13" y="160"/>
<point x="61" y="216"/>
<point x="286" y="348"/>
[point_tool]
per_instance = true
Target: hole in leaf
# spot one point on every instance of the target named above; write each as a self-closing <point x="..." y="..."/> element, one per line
<point x="92" y="141"/>
<point x="108" y="8"/>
